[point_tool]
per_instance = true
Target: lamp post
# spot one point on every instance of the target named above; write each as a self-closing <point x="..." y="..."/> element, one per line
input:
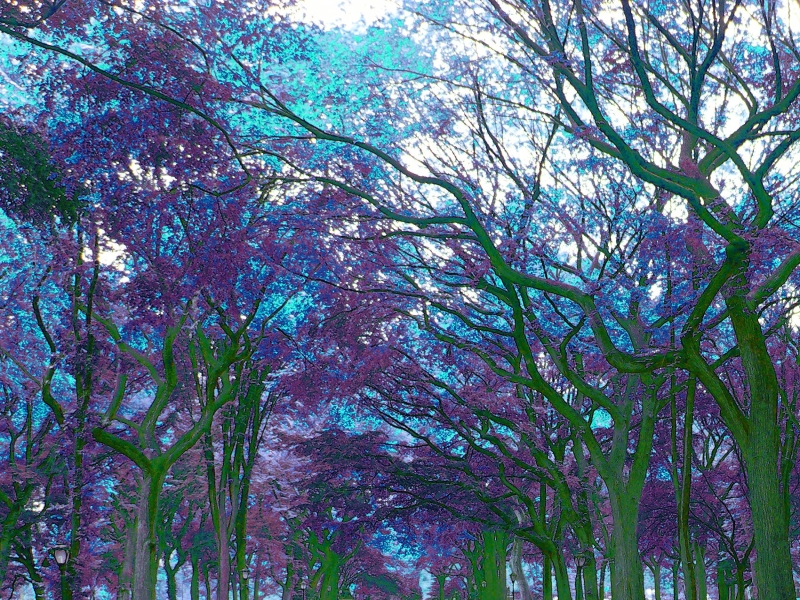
<point x="245" y="575"/>
<point x="580" y="562"/>
<point x="61" y="556"/>
<point x="513" y="588"/>
<point x="304" y="587"/>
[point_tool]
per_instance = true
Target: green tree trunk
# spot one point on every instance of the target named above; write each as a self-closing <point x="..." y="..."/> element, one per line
<point x="194" y="590"/>
<point x="562" y="577"/>
<point x="675" y="569"/>
<point x="657" y="581"/>
<point x="627" y="579"/>
<point x="547" y="578"/>
<point x="700" y="571"/>
<point x="145" y="562"/>
<point x="762" y="449"/>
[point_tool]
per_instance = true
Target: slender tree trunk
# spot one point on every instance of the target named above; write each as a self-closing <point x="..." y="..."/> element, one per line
<point x="7" y="534"/>
<point x="223" y="553"/>
<point x="241" y="539"/>
<point x="700" y="571"/>
<point x="547" y="578"/>
<point x="516" y="569"/>
<point x="195" y="585"/>
<point x="675" y="569"/>
<point x="172" y="587"/>
<point x="657" y="581"/>
<point x="25" y="557"/>
<point x="601" y="589"/>
<point x="683" y="490"/>
<point x="740" y="587"/>
<point x="207" y="583"/>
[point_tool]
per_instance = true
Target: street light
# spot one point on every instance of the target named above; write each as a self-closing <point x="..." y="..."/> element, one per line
<point x="304" y="587"/>
<point x="245" y="574"/>
<point x="61" y="556"/>
<point x="580" y="562"/>
<point x="513" y="588"/>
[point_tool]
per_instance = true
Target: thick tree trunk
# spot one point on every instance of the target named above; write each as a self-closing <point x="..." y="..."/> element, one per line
<point x="627" y="577"/>
<point x="145" y="562"/>
<point x="562" y="577"/>
<point x="495" y="544"/>
<point x="590" y="580"/>
<point x="773" y="566"/>
<point x="761" y="444"/>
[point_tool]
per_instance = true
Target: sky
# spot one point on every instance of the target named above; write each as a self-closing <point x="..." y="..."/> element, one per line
<point x="349" y="14"/>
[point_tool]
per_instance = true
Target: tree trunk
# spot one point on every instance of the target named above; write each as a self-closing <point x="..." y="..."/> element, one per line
<point x="562" y="577"/>
<point x="223" y="552"/>
<point x="761" y="444"/>
<point x="700" y="571"/>
<point x="516" y="569"/>
<point x="145" y="562"/>
<point x="773" y="567"/>
<point x="601" y="588"/>
<point x="683" y="486"/>
<point x="126" y="569"/>
<point x="547" y="578"/>
<point x="7" y="533"/>
<point x="657" y="580"/>
<point x="627" y="577"/>
<point x="590" y="580"/>
<point x="495" y="544"/>
<point x="195" y="585"/>
<point x="675" y="569"/>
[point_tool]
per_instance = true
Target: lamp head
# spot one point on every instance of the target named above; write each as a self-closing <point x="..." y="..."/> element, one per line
<point x="61" y="554"/>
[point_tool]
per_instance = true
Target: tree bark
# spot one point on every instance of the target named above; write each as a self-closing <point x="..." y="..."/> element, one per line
<point x="195" y="585"/>
<point x="762" y="446"/>
<point x="627" y="578"/>
<point x="145" y="562"/>
<point x="547" y="578"/>
<point x="700" y="571"/>
<point x="562" y="577"/>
